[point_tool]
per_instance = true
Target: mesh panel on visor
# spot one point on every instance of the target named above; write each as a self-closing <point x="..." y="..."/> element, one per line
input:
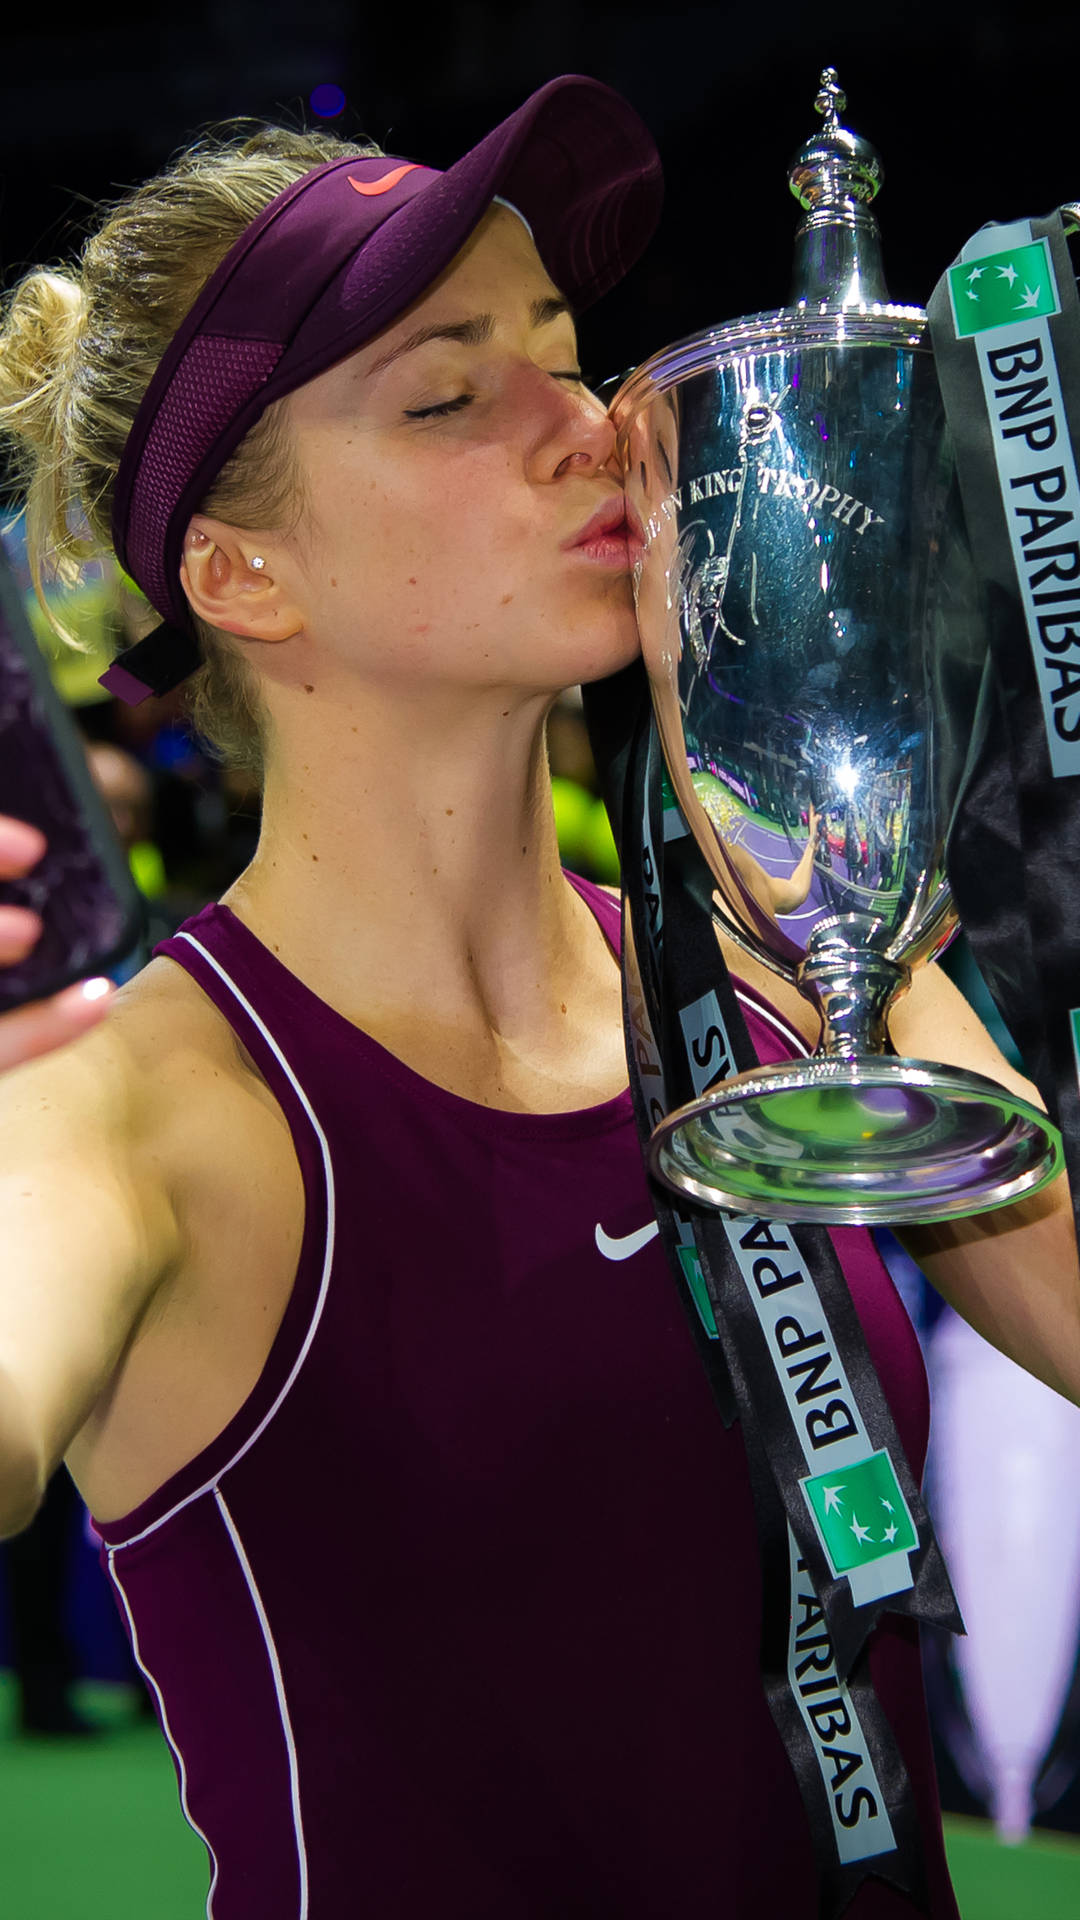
<point x="200" y="402"/>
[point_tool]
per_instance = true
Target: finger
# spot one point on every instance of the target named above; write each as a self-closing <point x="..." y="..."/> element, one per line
<point x="20" y="930"/>
<point x="44" y="1025"/>
<point x="21" y="846"/>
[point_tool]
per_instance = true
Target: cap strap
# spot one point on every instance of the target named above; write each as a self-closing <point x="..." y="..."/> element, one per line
<point x="154" y="665"/>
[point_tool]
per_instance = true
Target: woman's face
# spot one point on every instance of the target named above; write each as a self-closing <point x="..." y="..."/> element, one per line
<point x="447" y="480"/>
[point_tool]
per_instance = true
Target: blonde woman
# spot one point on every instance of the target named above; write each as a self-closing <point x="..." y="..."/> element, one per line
<point x="329" y="1263"/>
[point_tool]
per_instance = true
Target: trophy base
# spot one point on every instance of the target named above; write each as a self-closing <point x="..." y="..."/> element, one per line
<point x="872" y="1141"/>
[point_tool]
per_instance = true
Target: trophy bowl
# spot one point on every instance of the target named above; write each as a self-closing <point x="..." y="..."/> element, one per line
<point x="811" y="625"/>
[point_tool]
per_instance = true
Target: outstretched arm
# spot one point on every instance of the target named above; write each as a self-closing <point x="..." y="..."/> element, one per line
<point x="770" y="891"/>
<point x="787" y="896"/>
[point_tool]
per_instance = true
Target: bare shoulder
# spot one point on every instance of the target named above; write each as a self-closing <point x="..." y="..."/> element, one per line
<point x="208" y="1147"/>
<point x="99" y="1139"/>
<point x="210" y="1135"/>
<point x="192" y="1082"/>
<point x="115" y="1078"/>
<point x="171" y="1029"/>
<point x="162" y="1007"/>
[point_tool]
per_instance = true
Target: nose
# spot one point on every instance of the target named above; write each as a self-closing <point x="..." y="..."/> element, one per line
<point x="575" y="434"/>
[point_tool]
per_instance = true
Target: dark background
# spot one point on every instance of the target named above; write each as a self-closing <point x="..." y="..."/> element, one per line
<point x="972" y="110"/>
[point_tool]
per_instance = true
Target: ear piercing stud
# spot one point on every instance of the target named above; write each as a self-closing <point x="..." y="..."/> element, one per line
<point x="257" y="560"/>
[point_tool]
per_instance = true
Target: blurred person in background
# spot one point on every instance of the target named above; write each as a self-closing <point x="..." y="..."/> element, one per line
<point x="128" y="789"/>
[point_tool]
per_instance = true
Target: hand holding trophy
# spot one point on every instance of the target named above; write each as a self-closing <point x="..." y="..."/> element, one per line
<point x="812" y="628"/>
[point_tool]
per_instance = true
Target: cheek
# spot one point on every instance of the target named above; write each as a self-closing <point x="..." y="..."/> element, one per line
<point x="430" y="544"/>
<point x="453" y="552"/>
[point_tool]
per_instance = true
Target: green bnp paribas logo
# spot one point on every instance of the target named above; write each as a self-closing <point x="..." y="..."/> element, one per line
<point x="1002" y="288"/>
<point x="860" y="1512"/>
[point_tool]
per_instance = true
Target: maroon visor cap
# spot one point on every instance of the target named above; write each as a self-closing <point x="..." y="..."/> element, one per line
<point x="325" y="266"/>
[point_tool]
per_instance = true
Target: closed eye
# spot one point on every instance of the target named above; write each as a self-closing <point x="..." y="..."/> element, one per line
<point x="465" y="399"/>
<point x="445" y="406"/>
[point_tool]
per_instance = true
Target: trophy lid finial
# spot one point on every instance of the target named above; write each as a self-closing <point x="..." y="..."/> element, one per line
<point x="834" y="176"/>
<point x="832" y="100"/>
<point x="834" y="164"/>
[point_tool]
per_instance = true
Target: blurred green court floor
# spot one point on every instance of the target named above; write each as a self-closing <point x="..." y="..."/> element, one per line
<point x="92" y="1830"/>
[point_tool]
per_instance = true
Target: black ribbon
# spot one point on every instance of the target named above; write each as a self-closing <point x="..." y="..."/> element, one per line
<point x="672" y="961"/>
<point x="1013" y="855"/>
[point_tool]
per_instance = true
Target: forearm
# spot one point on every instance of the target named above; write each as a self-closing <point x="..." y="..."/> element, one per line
<point x="1014" y="1275"/>
<point x="786" y="896"/>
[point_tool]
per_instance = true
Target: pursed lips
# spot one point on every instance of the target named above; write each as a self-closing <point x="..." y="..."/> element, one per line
<point x="615" y="520"/>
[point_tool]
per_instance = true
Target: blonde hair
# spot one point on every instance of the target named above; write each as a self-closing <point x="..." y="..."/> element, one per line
<point x="78" y="348"/>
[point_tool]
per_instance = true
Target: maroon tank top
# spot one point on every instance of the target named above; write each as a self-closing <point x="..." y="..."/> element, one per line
<point x="459" y="1615"/>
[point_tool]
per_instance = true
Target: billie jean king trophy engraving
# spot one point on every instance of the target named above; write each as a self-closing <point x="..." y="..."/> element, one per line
<point x="810" y="622"/>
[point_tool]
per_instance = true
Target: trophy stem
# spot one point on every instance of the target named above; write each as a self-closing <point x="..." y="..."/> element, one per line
<point x="852" y="990"/>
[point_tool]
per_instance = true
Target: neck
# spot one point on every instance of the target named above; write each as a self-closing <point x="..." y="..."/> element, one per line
<point x="408" y="856"/>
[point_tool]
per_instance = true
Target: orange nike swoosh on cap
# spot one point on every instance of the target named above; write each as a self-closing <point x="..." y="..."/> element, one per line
<point x="385" y="182"/>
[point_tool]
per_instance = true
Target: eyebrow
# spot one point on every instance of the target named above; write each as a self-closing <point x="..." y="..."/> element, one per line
<point x="475" y="332"/>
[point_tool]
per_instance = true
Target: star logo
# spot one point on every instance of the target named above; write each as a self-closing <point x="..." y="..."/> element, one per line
<point x="868" y="1487"/>
<point x="994" y="290"/>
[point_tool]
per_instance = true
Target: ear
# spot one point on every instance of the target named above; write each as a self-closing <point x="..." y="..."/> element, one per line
<point x="227" y="591"/>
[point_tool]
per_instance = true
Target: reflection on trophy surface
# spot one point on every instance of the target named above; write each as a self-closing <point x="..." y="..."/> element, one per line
<point x="811" y="625"/>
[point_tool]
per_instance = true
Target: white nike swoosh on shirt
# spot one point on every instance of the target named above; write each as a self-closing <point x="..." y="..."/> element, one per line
<point x="627" y="1243"/>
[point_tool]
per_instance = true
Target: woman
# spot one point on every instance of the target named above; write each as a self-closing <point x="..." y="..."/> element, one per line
<point x="413" y="1495"/>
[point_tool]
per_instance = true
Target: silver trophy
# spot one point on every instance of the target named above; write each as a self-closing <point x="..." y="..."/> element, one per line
<point x="811" y="625"/>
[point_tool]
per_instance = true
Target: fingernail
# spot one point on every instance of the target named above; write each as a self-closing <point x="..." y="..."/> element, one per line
<point x="85" y="991"/>
<point x="97" y="988"/>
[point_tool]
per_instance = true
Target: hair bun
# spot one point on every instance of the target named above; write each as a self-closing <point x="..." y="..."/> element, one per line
<point x="78" y="348"/>
<point x="41" y="325"/>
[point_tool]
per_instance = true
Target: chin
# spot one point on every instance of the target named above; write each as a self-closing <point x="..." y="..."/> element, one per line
<point x="612" y="659"/>
<point x="611" y="645"/>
